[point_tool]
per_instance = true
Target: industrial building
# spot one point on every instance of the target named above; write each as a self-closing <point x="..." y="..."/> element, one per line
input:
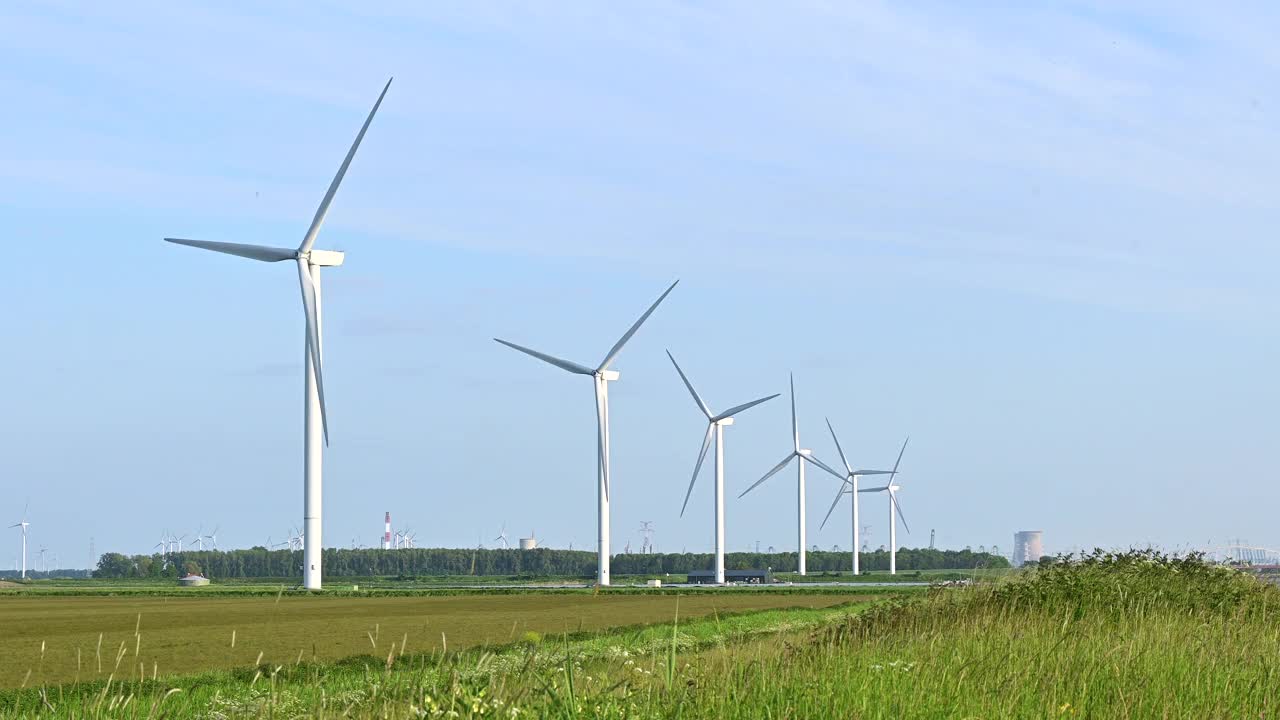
<point x="1028" y="546"/>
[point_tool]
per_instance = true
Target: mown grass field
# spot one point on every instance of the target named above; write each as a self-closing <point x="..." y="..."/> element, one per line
<point x="166" y="636"/>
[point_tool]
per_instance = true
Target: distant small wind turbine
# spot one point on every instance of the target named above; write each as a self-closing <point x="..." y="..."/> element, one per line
<point x="850" y="486"/>
<point x="801" y="455"/>
<point x="502" y="536"/>
<point x="23" y="524"/>
<point x="715" y="426"/>
<point x="893" y="489"/>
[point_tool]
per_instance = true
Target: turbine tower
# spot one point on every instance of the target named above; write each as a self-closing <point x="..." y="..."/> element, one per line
<point x="805" y="455"/>
<point x="23" y="524"/>
<point x="893" y="489"/>
<point x="715" y="426"/>
<point x="316" y="422"/>
<point x="602" y="376"/>
<point x="850" y="486"/>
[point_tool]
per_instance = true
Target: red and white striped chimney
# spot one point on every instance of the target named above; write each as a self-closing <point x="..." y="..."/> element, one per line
<point x="386" y="537"/>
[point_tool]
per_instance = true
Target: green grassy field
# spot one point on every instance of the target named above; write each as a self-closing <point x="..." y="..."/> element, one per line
<point x="57" y="639"/>
<point x="1131" y="636"/>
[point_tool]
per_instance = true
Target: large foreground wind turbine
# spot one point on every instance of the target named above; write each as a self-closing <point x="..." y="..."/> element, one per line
<point x="804" y="455"/>
<point x="850" y="486"/>
<point x="24" y="525"/>
<point x="893" y="488"/>
<point x="715" y="425"/>
<point x="602" y="376"/>
<point x="316" y="423"/>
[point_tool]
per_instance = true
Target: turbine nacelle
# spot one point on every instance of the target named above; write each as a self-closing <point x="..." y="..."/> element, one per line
<point x="326" y="258"/>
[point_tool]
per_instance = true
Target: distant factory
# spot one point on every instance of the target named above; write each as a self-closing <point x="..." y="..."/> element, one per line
<point x="1028" y="546"/>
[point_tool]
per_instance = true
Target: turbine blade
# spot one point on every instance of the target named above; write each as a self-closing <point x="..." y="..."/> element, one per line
<point x="870" y="472"/>
<point x="705" y="410"/>
<point x="617" y="348"/>
<point x="899" y="460"/>
<point x="572" y="367"/>
<point x="882" y="488"/>
<point x="744" y="406"/>
<point x="702" y="455"/>
<point x="310" y="238"/>
<point x="896" y="506"/>
<point x="795" y="424"/>
<point x="601" y="465"/>
<point x="839" y="449"/>
<point x="253" y="252"/>
<point x="839" y="494"/>
<point x="311" y="310"/>
<point x="824" y="466"/>
<point x="771" y="473"/>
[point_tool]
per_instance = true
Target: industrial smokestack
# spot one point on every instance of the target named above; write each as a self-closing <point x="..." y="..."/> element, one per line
<point x="386" y="535"/>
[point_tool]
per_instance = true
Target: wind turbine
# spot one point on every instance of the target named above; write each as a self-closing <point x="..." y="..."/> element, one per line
<point x="850" y="485"/>
<point x="715" y="426"/>
<point x="213" y="537"/>
<point x="804" y="455"/>
<point x="502" y="537"/>
<point x="602" y="376"/>
<point x="23" y="524"/>
<point x="893" y="489"/>
<point x="316" y="422"/>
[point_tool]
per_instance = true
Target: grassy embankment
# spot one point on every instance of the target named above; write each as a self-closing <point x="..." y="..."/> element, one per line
<point x="1114" y="636"/>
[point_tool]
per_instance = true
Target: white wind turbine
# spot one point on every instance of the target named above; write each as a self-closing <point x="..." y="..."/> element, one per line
<point x="715" y="425"/>
<point x="502" y="537"/>
<point x="212" y="538"/>
<point x="23" y="524"/>
<point x="602" y="376"/>
<point x="850" y="486"/>
<point x="804" y="455"/>
<point x="893" y="489"/>
<point x="316" y="422"/>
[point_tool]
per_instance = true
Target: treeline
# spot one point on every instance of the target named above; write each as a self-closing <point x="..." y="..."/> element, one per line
<point x="260" y="562"/>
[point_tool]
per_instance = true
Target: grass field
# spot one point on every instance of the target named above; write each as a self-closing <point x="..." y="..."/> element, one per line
<point x="178" y="635"/>
<point x="1110" y="636"/>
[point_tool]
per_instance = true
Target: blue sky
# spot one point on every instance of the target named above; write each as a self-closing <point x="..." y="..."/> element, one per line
<point x="1038" y="239"/>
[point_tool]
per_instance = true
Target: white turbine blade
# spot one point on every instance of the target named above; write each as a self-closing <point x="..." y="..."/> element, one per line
<point x="313" y="336"/>
<point x="744" y="406"/>
<point x="705" y="410"/>
<point x="617" y="347"/>
<point x="882" y="488"/>
<point x="602" y="425"/>
<point x="824" y="466"/>
<point x="870" y="472"/>
<point x="572" y="367"/>
<point x="838" y="448"/>
<point x="899" y="460"/>
<point x="771" y="473"/>
<point x="896" y="506"/>
<point x="795" y="424"/>
<point x="839" y="494"/>
<point x="310" y="238"/>
<point x="702" y="455"/>
<point x="253" y="252"/>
